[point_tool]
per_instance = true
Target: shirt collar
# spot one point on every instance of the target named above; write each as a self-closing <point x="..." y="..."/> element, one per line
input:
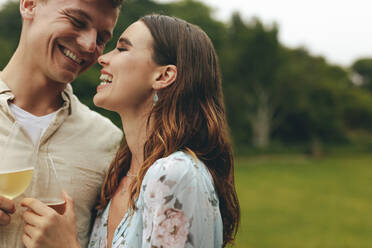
<point x="66" y="94"/>
<point x="3" y="87"/>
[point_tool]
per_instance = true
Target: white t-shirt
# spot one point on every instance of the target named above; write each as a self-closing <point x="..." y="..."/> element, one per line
<point x="34" y="125"/>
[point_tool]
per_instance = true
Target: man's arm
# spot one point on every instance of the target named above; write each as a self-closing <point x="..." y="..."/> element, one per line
<point x="7" y="208"/>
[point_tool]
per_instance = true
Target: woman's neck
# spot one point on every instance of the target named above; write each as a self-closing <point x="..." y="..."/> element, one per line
<point x="135" y="130"/>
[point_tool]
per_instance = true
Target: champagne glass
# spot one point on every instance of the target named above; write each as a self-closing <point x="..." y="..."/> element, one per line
<point x="16" y="163"/>
<point x="49" y="188"/>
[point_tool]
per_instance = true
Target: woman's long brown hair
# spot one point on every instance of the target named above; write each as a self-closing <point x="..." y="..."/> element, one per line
<point x="189" y="116"/>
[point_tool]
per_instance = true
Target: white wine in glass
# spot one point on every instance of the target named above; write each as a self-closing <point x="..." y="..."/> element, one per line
<point x="16" y="163"/>
<point x="14" y="183"/>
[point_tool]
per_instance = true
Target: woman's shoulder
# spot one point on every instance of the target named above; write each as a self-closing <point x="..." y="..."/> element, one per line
<point x="177" y="166"/>
<point x="176" y="162"/>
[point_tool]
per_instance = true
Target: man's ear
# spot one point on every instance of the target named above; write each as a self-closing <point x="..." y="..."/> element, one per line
<point x="165" y="76"/>
<point x="27" y="8"/>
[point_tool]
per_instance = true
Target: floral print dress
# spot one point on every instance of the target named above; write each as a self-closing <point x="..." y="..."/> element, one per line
<point x="177" y="207"/>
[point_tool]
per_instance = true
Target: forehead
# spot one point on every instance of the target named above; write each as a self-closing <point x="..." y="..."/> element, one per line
<point x="139" y="35"/>
<point x="100" y="11"/>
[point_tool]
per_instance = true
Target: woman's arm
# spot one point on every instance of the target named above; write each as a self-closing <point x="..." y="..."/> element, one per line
<point x="44" y="227"/>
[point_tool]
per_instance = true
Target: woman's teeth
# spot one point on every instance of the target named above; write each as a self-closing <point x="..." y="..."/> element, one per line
<point x="106" y="79"/>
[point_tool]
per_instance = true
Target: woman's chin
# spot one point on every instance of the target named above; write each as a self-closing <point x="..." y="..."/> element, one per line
<point x="98" y="101"/>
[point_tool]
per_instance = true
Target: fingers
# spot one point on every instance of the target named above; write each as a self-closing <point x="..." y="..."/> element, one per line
<point x="67" y="198"/>
<point x="31" y="218"/>
<point x="27" y="240"/>
<point x="30" y="230"/>
<point x="4" y="218"/>
<point x="70" y="211"/>
<point x="36" y="206"/>
<point x="31" y="236"/>
<point x="7" y="205"/>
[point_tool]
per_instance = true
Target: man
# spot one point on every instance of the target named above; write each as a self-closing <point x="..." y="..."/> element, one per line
<point x="59" y="40"/>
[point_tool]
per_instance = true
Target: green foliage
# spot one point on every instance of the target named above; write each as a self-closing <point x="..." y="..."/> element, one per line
<point x="10" y="22"/>
<point x="297" y="97"/>
<point x="358" y="111"/>
<point x="363" y="68"/>
<point x="314" y="92"/>
<point x="250" y="60"/>
<point x="7" y="49"/>
<point x="199" y="14"/>
<point x="10" y="30"/>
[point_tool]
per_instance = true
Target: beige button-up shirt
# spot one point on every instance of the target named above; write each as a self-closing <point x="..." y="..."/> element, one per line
<point x="82" y="144"/>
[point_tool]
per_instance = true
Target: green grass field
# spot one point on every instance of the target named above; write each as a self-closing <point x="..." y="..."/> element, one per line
<point x="294" y="201"/>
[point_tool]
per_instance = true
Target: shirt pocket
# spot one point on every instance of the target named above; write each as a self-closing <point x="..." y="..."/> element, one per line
<point x="87" y="184"/>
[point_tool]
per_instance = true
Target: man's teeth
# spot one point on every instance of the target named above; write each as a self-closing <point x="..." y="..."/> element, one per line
<point x="72" y="56"/>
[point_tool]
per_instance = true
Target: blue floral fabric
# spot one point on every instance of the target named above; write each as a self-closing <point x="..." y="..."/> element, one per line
<point x="177" y="207"/>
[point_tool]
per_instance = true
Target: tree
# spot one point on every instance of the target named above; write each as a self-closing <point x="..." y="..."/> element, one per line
<point x="10" y="30"/>
<point x="271" y="91"/>
<point x="252" y="57"/>
<point x="363" y="68"/>
<point x="314" y="104"/>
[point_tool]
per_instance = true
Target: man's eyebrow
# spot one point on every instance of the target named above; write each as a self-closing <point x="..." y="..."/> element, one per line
<point x="83" y="14"/>
<point x="125" y="41"/>
<point x="79" y="12"/>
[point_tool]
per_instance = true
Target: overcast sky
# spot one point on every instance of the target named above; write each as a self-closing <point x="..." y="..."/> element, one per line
<point x="340" y="30"/>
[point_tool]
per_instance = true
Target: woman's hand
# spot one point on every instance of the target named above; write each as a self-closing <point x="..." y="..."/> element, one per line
<point x="44" y="227"/>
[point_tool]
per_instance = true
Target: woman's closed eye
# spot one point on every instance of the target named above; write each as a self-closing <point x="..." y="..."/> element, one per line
<point x="122" y="49"/>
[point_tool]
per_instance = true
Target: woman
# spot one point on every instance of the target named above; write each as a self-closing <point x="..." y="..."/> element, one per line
<point x="172" y="181"/>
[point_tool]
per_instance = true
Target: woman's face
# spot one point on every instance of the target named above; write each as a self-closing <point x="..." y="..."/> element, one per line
<point x="128" y="72"/>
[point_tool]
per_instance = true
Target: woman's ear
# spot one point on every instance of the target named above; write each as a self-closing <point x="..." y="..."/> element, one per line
<point x="166" y="76"/>
<point x="27" y="9"/>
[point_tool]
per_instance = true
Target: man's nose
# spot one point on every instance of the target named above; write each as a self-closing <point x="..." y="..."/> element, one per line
<point x="87" y="40"/>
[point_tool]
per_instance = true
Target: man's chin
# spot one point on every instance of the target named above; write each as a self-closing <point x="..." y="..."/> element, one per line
<point x="67" y="77"/>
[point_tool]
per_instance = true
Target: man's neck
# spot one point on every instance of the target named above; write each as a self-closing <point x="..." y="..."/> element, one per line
<point x="33" y="91"/>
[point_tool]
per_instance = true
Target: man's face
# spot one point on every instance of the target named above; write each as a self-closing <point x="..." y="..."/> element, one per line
<point x="65" y="37"/>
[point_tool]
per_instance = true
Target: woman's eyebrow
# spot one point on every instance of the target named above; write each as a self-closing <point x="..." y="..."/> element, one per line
<point x="124" y="40"/>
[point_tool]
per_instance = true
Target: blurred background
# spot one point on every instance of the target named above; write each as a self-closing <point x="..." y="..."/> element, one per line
<point x="297" y="79"/>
